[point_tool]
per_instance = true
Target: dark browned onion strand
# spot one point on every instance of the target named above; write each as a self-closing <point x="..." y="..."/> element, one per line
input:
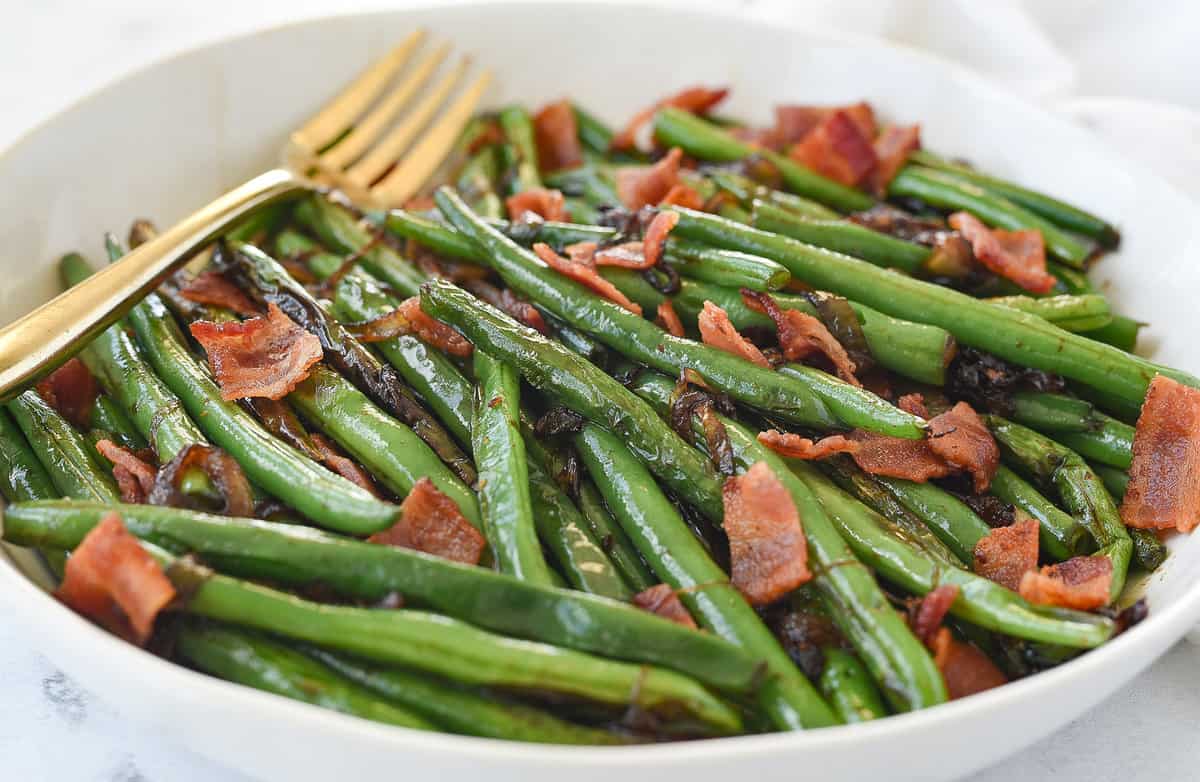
<point x="224" y="472"/>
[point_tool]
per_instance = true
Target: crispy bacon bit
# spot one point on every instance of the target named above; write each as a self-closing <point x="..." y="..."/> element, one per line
<point x="656" y="235"/>
<point x="838" y="149"/>
<point x="683" y="195"/>
<point x="557" y="137"/>
<point x="793" y="123"/>
<point x="115" y="582"/>
<point x="214" y="288"/>
<point x="666" y="317"/>
<point x="1083" y="583"/>
<point x="1006" y="554"/>
<point x="716" y="330"/>
<point x="661" y="599"/>
<point x="965" y="669"/>
<point x="71" y="390"/>
<point x="264" y="356"/>
<point x="639" y="186"/>
<point x="508" y="302"/>
<point x="926" y="618"/>
<point x="960" y="437"/>
<point x="1019" y="256"/>
<point x="913" y="404"/>
<point x="800" y="335"/>
<point x="546" y="204"/>
<point x="431" y="522"/>
<point x="892" y="149"/>
<point x="582" y="252"/>
<point x="135" y="478"/>
<point x="768" y="553"/>
<point x="586" y="275"/>
<point x="878" y="454"/>
<point x="433" y="331"/>
<point x="697" y="100"/>
<point x="1164" y="478"/>
<point x="341" y="464"/>
<point x="795" y="446"/>
<point x="627" y="255"/>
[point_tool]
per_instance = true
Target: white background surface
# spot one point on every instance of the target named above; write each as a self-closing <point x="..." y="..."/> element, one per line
<point x="1075" y="56"/>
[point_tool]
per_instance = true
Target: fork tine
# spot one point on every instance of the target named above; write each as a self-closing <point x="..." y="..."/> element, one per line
<point x="428" y="153"/>
<point x="386" y="152"/>
<point x="364" y="134"/>
<point x="339" y="113"/>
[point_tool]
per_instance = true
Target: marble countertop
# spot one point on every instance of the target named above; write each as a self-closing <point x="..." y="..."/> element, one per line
<point x="53" y="51"/>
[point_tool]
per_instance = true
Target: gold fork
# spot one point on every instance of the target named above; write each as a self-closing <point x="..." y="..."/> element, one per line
<point x="379" y="147"/>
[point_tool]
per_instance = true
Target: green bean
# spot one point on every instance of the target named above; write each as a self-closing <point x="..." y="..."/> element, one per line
<point x="725" y="267"/>
<point x="518" y="129"/>
<point x="1111" y="443"/>
<point x="22" y="476"/>
<point x="1079" y="489"/>
<point x="1053" y="413"/>
<point x="263" y="664"/>
<point x="1121" y="332"/>
<point x="703" y="140"/>
<point x="388" y="449"/>
<point x="462" y="710"/>
<point x="107" y="416"/>
<point x="477" y="182"/>
<point x="1071" y="312"/>
<point x="655" y="526"/>
<point x="847" y="686"/>
<point x="293" y="555"/>
<point x="746" y="191"/>
<point x="897" y="660"/>
<point x="284" y="472"/>
<point x="504" y="500"/>
<point x="72" y="463"/>
<point x="586" y="182"/>
<point x="1012" y="335"/>
<point x="1069" y="217"/>
<point x="842" y="236"/>
<point x="805" y="396"/>
<point x="945" y="191"/>
<point x="1115" y="480"/>
<point x="1061" y="535"/>
<point x="1148" y="550"/>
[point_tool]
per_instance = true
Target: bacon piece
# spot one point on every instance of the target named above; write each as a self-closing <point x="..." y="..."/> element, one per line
<point x="656" y="235"/>
<point x="1080" y="582"/>
<point x="683" y="195"/>
<point x="793" y="123"/>
<point x="135" y="478"/>
<point x="627" y="255"/>
<point x="838" y="149"/>
<point x="264" y="356"/>
<point x="214" y="288"/>
<point x="965" y="669"/>
<point x="795" y="446"/>
<point x="639" y="186"/>
<point x="911" y="460"/>
<point x="892" y="149"/>
<point x="557" y="137"/>
<point x="1006" y="554"/>
<point x="71" y="390"/>
<point x="546" y="204"/>
<point x="960" y="437"/>
<point x="1164" y="478"/>
<point x="582" y="252"/>
<point x="431" y="522"/>
<point x="926" y="618"/>
<point x="341" y="464"/>
<point x="1019" y="256"/>
<point x="432" y="331"/>
<point x="768" y="553"/>
<point x="667" y="318"/>
<point x="661" y="599"/>
<point x="584" y="274"/>
<point x="913" y="404"/>
<point x="801" y="334"/>
<point x="716" y="330"/>
<point x="697" y="100"/>
<point x="115" y="582"/>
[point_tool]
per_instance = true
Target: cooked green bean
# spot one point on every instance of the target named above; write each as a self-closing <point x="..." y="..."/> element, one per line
<point x="72" y="463"/>
<point x="746" y="191"/>
<point x="847" y="686"/>
<point x="725" y="267"/>
<point x="1071" y="312"/>
<point x="841" y="236"/>
<point x="1061" y="535"/>
<point x="22" y="476"/>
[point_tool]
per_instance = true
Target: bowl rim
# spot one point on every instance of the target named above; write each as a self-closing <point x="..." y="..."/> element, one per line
<point x="1161" y="628"/>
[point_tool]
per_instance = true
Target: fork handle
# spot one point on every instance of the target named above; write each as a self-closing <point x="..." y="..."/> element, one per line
<point x="35" y="344"/>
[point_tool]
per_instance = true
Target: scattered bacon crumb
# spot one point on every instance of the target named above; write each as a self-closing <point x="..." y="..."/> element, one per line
<point x="627" y="255"/>
<point x="214" y="288"/>
<point x="264" y="356"/>
<point x="585" y="274"/>
<point x="795" y="446"/>
<point x="341" y="464"/>
<point x="666" y="317"/>
<point x="965" y="669"/>
<point x="1006" y="554"/>
<point x="1083" y="583"/>
<point x="135" y="478"/>
<point x="639" y="186"/>
<point x="1164" y="478"/>
<point x="557" y="137"/>
<point x="800" y="335"/>
<point x="661" y="599"/>
<point x="432" y="523"/>
<point x="768" y="553"/>
<point x="913" y="404"/>
<point x="697" y="100"/>
<point x="1019" y="256"/>
<point x="656" y="235"/>
<point x="115" y="582"/>
<point x="793" y="123"/>
<point x="683" y="195"/>
<point x="878" y="454"/>
<point x="838" y="149"/>
<point x="961" y="438"/>
<point x="716" y="330"/>
<point x="926" y="618"/>
<point x="546" y="204"/>
<point x="892" y="149"/>
<point x="582" y="252"/>
<point x="71" y="390"/>
<point x="432" y="331"/>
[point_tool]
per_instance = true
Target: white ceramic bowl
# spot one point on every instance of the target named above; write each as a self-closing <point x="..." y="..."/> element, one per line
<point x="167" y="139"/>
